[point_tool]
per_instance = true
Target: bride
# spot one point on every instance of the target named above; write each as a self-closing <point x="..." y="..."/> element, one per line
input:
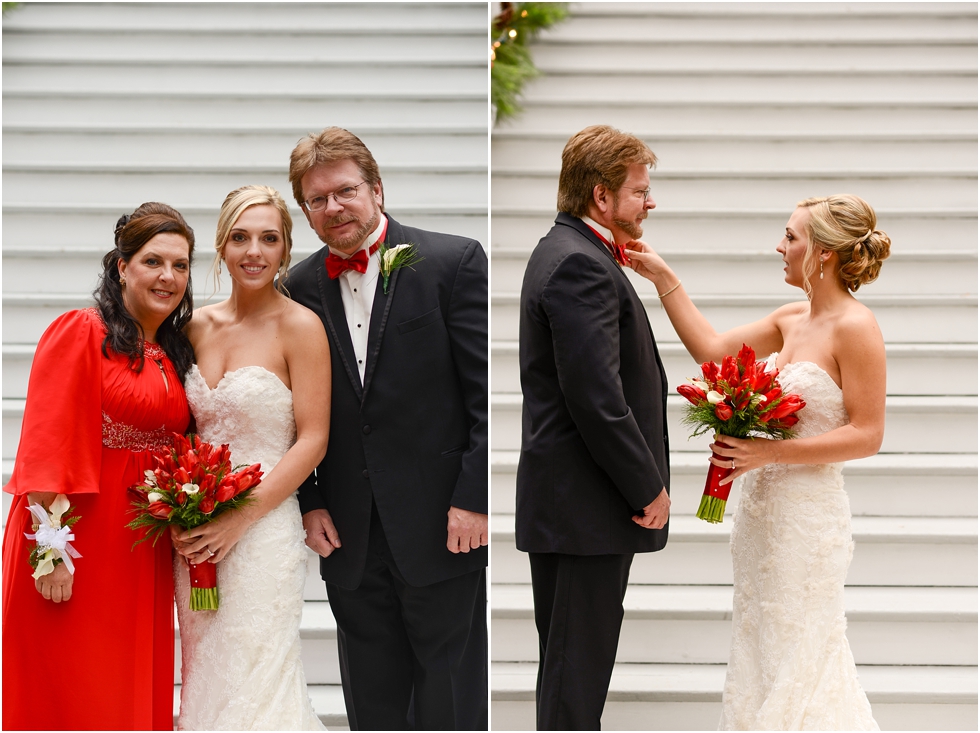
<point x="260" y="384"/>
<point x="790" y="666"/>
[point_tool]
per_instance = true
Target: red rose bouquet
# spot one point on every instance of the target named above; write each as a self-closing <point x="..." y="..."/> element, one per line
<point x="740" y="398"/>
<point x="193" y="483"/>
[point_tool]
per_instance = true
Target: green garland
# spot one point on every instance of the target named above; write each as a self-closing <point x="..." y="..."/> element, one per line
<point x="510" y="59"/>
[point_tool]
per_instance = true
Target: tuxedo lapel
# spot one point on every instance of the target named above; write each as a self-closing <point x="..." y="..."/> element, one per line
<point x="380" y="309"/>
<point x="333" y="309"/>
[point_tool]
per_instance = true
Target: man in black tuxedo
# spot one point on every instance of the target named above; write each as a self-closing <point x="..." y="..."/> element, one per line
<point x="397" y="510"/>
<point x="593" y="479"/>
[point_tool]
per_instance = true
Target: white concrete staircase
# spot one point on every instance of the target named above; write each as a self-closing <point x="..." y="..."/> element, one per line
<point x="107" y="105"/>
<point x="750" y="108"/>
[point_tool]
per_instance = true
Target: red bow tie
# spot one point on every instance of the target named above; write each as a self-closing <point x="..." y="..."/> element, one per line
<point x="357" y="261"/>
<point x="618" y="250"/>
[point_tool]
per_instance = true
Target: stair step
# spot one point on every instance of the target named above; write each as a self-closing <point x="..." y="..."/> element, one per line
<point x="881" y="485"/>
<point x="556" y="55"/>
<point x="758" y="153"/>
<point x="309" y="43"/>
<point x="186" y="108"/>
<point x="737" y="188"/>
<point x="909" y="319"/>
<point x="692" y="625"/>
<point x="298" y="77"/>
<point x="261" y="17"/>
<point x="914" y="424"/>
<point x="457" y="185"/>
<point x="763" y="87"/>
<point x="739" y="116"/>
<point x="90" y="227"/>
<point x="125" y="149"/>
<point x="913" y="369"/>
<point x="722" y="231"/>
<point x="760" y="271"/>
<point x="901" y="551"/>
<point x="688" y="697"/>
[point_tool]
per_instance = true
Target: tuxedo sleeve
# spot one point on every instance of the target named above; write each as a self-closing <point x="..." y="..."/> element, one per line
<point x="310" y="497"/>
<point x="582" y="306"/>
<point x="467" y="326"/>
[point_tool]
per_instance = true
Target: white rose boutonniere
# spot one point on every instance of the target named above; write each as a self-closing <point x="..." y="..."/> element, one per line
<point x="395" y="257"/>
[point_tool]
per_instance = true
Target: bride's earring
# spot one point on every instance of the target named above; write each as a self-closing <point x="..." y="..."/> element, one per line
<point x="821" y="269"/>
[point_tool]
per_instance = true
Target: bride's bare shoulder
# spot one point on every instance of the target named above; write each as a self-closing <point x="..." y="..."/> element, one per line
<point x="300" y="321"/>
<point x="202" y="321"/>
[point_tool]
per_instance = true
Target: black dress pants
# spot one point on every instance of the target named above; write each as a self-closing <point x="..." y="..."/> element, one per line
<point x="411" y="658"/>
<point x="578" y="610"/>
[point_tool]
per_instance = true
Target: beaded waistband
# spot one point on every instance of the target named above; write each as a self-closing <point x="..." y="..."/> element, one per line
<point x="120" y="435"/>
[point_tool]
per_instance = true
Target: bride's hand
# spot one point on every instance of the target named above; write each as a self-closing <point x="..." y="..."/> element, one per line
<point x="644" y="260"/>
<point x="175" y="533"/>
<point x="747" y="454"/>
<point x="212" y="541"/>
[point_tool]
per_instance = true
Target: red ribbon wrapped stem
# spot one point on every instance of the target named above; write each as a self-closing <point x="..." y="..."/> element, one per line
<point x="712" y="484"/>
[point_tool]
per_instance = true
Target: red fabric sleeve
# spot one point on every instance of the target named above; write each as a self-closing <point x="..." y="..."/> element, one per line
<point x="60" y="446"/>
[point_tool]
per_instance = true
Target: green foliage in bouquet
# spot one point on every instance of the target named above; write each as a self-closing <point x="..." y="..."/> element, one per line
<point x="511" y="65"/>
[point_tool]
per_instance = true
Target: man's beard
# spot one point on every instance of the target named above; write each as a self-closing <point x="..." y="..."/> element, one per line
<point x="630" y="227"/>
<point x="349" y="242"/>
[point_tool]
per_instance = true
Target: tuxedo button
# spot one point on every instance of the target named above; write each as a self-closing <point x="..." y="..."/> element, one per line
<point x="364" y="473"/>
<point x="366" y="430"/>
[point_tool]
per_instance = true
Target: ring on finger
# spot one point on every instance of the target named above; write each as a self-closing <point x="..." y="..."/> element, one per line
<point x="211" y="554"/>
<point x="733" y="464"/>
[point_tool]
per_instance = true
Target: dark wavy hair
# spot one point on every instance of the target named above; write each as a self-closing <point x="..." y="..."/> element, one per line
<point x="124" y="333"/>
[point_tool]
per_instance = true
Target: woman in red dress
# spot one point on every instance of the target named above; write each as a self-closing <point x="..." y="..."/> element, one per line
<point x="105" y="388"/>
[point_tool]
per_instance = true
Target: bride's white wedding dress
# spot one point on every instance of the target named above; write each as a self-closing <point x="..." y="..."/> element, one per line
<point x="791" y="667"/>
<point x="241" y="666"/>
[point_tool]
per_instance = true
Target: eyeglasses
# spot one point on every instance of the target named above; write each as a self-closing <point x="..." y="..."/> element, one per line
<point x="342" y="196"/>
<point x="644" y="193"/>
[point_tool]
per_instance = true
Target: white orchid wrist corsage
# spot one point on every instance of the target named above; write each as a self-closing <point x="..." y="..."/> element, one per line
<point x="395" y="257"/>
<point x="52" y="533"/>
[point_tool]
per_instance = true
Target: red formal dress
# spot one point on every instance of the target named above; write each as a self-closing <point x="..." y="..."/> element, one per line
<point x="105" y="658"/>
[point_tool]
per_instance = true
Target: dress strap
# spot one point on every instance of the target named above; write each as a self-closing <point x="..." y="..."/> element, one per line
<point x="120" y="435"/>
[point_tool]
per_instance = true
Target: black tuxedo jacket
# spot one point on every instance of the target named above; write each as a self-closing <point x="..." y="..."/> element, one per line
<point x="414" y="436"/>
<point x="594" y="440"/>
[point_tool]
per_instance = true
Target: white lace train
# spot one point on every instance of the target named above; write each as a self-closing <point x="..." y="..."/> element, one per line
<point x="791" y="667"/>
<point x="241" y="666"/>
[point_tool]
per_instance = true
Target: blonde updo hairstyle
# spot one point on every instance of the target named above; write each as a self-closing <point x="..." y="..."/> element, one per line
<point x="234" y="205"/>
<point x="845" y="224"/>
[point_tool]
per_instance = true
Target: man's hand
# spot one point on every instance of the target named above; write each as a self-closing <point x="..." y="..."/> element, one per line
<point x="467" y="530"/>
<point x="56" y="585"/>
<point x="656" y="513"/>
<point x="321" y="535"/>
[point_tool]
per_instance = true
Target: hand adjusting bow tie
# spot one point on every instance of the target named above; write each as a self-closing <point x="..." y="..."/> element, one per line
<point x="357" y="261"/>
<point x="618" y="250"/>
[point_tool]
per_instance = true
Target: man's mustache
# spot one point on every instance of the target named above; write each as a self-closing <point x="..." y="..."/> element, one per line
<point x="337" y="221"/>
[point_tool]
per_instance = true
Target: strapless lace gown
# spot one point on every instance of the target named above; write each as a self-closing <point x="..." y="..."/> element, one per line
<point x="791" y="667"/>
<point x="241" y="666"/>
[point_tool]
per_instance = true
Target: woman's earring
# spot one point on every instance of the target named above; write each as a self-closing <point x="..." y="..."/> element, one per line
<point x="122" y="281"/>
<point x="821" y="269"/>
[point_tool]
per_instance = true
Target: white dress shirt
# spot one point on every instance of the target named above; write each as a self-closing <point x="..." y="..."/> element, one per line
<point x="357" y="292"/>
<point x="599" y="228"/>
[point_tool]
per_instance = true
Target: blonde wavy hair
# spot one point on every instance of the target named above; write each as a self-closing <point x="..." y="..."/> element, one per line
<point x="845" y="224"/>
<point x="234" y="205"/>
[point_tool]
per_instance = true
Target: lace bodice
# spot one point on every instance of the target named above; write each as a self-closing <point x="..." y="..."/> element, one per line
<point x="824" y="409"/>
<point x="250" y="409"/>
